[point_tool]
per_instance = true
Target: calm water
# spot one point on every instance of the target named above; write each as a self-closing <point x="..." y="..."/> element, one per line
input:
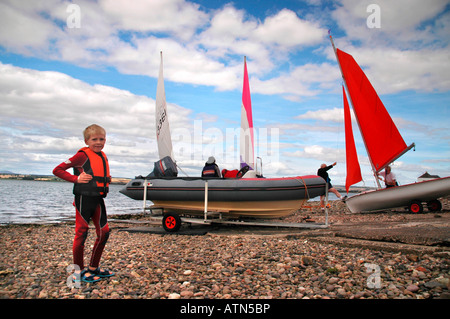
<point x="25" y="202"/>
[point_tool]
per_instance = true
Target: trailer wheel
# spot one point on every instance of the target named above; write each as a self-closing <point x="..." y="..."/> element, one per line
<point x="434" y="205"/>
<point x="171" y="222"/>
<point x="415" y="207"/>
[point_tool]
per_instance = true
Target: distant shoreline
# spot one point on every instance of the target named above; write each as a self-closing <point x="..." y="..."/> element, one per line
<point x="52" y="178"/>
<point x="124" y="181"/>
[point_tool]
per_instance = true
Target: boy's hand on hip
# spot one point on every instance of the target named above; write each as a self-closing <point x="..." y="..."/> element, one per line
<point x="84" y="178"/>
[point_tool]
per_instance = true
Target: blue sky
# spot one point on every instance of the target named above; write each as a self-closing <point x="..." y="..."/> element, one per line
<point x="60" y="73"/>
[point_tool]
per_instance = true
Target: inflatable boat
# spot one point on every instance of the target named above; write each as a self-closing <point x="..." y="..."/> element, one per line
<point x="234" y="197"/>
<point x="246" y="195"/>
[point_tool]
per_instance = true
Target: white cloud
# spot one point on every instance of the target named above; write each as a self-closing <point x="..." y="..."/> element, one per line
<point x="334" y="115"/>
<point x="331" y="115"/>
<point x="23" y="29"/>
<point x="305" y="80"/>
<point x="392" y="70"/>
<point x="45" y="113"/>
<point x="127" y="37"/>
<point x="408" y="52"/>
<point x="178" y="17"/>
<point x="319" y="153"/>
<point x="286" y="29"/>
<point x="234" y="32"/>
<point x="401" y="21"/>
<point x="285" y="51"/>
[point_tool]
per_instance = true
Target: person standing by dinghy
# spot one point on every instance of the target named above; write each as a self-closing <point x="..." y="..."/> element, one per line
<point x="91" y="180"/>
<point x="322" y="172"/>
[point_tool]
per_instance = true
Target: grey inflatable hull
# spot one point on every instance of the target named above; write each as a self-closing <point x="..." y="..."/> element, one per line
<point x="247" y="197"/>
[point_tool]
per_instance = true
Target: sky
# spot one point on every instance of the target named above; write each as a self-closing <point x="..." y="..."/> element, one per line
<point x="65" y="65"/>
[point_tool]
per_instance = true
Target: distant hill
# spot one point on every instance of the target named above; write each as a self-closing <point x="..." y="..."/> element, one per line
<point x="10" y="175"/>
<point x="7" y="172"/>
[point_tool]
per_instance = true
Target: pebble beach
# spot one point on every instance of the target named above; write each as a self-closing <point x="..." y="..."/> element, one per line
<point x="36" y="262"/>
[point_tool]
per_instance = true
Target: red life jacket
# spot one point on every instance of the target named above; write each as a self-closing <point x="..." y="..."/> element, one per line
<point x="229" y="174"/>
<point x="97" y="166"/>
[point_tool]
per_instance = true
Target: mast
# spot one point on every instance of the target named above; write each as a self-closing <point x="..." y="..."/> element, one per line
<point x="357" y="120"/>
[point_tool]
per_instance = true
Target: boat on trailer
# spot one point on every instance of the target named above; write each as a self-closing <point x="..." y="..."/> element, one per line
<point x="234" y="197"/>
<point x="248" y="195"/>
<point x="411" y="196"/>
<point x="384" y="145"/>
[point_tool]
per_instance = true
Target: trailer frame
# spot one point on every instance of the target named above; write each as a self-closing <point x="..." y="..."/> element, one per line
<point x="171" y="219"/>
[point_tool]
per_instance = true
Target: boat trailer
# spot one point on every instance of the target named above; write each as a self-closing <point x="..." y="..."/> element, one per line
<point x="171" y="219"/>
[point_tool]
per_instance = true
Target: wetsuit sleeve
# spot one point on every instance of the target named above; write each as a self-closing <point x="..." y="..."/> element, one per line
<point x="76" y="161"/>
<point x="323" y="171"/>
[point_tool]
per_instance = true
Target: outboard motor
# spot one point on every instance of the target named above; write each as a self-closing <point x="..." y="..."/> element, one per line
<point x="164" y="168"/>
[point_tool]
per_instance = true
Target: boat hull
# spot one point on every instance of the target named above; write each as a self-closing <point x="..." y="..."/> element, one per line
<point x="400" y="196"/>
<point x="249" y="197"/>
<point x="265" y="210"/>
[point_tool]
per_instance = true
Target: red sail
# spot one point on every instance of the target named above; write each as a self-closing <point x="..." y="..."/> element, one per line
<point x="353" y="169"/>
<point x="383" y="141"/>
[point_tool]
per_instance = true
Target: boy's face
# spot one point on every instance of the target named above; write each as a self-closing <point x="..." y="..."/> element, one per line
<point x="96" y="142"/>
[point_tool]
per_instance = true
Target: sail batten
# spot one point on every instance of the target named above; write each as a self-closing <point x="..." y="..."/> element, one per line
<point x="382" y="139"/>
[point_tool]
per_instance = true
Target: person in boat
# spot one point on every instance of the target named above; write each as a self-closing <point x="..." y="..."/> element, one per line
<point x="389" y="177"/>
<point x="91" y="184"/>
<point x="211" y="169"/>
<point x="322" y="172"/>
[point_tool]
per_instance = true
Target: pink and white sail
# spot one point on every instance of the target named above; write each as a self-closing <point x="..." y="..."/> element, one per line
<point x="247" y="156"/>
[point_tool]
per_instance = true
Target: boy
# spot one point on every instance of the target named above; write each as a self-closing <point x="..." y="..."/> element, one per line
<point x="91" y="179"/>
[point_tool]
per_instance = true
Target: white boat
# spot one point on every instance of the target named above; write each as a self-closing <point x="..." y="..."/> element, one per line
<point x="409" y="195"/>
<point x="384" y="145"/>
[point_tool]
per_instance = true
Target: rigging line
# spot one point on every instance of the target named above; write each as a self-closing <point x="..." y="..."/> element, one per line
<point x="181" y="169"/>
<point x="338" y="140"/>
<point x="306" y="187"/>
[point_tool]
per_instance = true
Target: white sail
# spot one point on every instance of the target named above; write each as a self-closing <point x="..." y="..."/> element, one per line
<point x="162" y="122"/>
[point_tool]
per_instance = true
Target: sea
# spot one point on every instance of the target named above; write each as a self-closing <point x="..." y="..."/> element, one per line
<point x="43" y="202"/>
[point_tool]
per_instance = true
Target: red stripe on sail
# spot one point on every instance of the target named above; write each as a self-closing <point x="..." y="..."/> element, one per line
<point x="382" y="139"/>
<point x="353" y="168"/>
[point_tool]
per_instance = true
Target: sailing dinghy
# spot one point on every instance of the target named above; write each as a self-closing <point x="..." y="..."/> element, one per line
<point x="384" y="145"/>
<point x="247" y="195"/>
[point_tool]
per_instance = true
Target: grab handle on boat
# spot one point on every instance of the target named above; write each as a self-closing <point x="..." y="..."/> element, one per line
<point x="259" y="169"/>
<point x="144" y="205"/>
<point x="206" y="201"/>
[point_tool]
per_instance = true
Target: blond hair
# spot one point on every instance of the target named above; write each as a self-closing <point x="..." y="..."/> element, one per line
<point x="93" y="129"/>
